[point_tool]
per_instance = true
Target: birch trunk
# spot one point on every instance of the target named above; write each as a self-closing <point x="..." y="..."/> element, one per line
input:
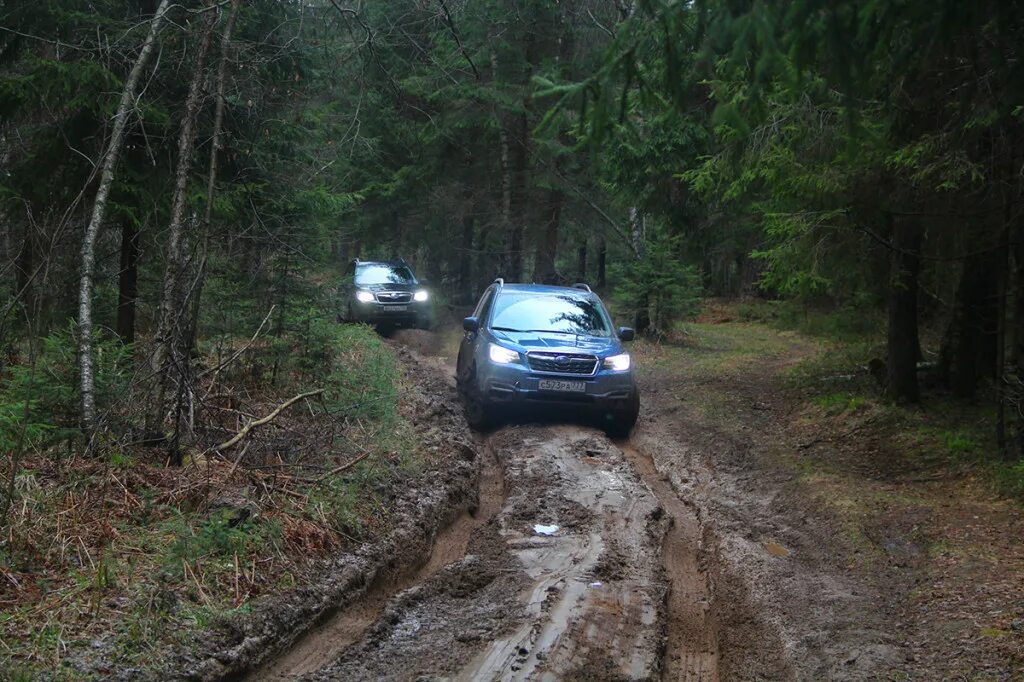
<point x="85" y="287"/>
<point x="172" y="305"/>
<point x="211" y="181"/>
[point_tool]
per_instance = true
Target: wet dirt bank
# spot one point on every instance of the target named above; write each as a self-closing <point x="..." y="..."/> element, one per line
<point x="321" y="645"/>
<point x="446" y="490"/>
<point x="691" y="642"/>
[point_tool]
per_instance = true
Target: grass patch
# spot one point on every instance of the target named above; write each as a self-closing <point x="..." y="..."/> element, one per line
<point x="1009" y="479"/>
<point x="837" y="403"/>
<point x="847" y="324"/>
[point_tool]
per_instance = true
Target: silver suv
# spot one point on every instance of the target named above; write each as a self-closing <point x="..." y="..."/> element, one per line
<point x="387" y="294"/>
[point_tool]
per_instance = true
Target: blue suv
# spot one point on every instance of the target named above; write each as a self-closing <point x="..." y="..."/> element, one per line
<point x="529" y="344"/>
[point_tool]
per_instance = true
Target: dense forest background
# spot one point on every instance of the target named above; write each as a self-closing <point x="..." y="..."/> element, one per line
<point x="174" y="176"/>
<point x="184" y="424"/>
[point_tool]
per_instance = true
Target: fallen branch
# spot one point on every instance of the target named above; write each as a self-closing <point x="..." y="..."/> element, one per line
<point x="234" y="440"/>
<point x="348" y="465"/>
<point x="241" y="350"/>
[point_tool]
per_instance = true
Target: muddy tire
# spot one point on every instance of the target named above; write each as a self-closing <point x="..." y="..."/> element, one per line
<point x="622" y="421"/>
<point x="479" y="414"/>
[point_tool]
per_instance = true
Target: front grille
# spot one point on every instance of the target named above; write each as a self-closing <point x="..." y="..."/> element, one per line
<point x="393" y="296"/>
<point x="561" y="363"/>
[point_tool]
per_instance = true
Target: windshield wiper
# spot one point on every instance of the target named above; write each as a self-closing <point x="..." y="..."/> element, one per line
<point x="507" y="329"/>
<point x="556" y="331"/>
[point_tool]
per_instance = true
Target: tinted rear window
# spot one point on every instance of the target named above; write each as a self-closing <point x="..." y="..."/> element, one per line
<point x="384" y="274"/>
<point x="564" y="313"/>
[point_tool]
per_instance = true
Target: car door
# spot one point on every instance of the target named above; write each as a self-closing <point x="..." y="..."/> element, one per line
<point x="469" y="339"/>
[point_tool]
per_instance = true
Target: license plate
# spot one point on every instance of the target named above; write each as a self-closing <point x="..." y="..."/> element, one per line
<point x="565" y="386"/>
<point x="396" y="308"/>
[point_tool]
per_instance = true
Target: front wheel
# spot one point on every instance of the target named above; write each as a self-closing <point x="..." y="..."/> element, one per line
<point x="620" y="422"/>
<point x="478" y="412"/>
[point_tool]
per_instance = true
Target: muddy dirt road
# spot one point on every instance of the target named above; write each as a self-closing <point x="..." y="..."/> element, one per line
<point x="586" y="559"/>
<point x="557" y="575"/>
<point x="577" y="563"/>
<point x="689" y="552"/>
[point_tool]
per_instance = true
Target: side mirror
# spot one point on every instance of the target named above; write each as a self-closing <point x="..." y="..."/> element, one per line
<point x="470" y="324"/>
<point x="626" y="333"/>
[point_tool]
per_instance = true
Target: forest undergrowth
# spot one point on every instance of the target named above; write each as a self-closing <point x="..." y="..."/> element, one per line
<point x="118" y="550"/>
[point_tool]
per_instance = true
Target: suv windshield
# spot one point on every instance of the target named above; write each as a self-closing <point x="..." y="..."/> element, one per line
<point x="557" y="313"/>
<point x="383" y="274"/>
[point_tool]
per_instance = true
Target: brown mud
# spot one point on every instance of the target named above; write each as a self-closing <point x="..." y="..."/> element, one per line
<point x="680" y="554"/>
<point x="319" y="647"/>
<point x="564" y="582"/>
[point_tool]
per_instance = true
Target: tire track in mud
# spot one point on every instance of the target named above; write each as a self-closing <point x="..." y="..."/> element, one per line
<point x="593" y="609"/>
<point x="501" y="599"/>
<point x="326" y="642"/>
<point x="614" y="591"/>
<point x="691" y="648"/>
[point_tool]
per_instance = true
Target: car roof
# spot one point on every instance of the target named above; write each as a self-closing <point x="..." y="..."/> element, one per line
<point x="391" y="263"/>
<point x="544" y="289"/>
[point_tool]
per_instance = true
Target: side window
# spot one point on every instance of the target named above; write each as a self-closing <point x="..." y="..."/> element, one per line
<point x="484" y="306"/>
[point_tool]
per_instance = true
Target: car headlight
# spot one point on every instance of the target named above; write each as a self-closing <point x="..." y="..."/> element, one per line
<point x="364" y="296"/>
<point x="617" y="363"/>
<point x="502" y="356"/>
<point x="420" y="295"/>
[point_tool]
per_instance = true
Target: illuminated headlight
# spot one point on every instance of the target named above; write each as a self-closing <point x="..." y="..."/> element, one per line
<point x="364" y="296"/>
<point x="502" y="356"/>
<point x="617" y="363"/>
<point x="420" y="295"/>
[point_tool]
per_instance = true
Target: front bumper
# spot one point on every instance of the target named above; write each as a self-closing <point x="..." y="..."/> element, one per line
<point x="517" y="384"/>
<point x="406" y="313"/>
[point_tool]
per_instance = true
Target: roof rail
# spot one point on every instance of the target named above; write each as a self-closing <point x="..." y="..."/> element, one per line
<point x="581" y="285"/>
<point x="499" y="281"/>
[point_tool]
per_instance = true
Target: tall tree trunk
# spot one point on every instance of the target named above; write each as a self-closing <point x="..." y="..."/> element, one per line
<point x="88" y="257"/>
<point x="174" y="302"/>
<point x="25" y="264"/>
<point x="581" y="261"/>
<point x="904" y="346"/>
<point x="602" y="263"/>
<point x="466" y="255"/>
<point x="638" y="238"/>
<point x="547" y="245"/>
<point x="505" y="160"/>
<point x="127" y="282"/>
<point x="1017" y="399"/>
<point x="211" y="177"/>
<point x="973" y="354"/>
<point x="484" y="263"/>
<point x="1000" y="370"/>
<point x="517" y="212"/>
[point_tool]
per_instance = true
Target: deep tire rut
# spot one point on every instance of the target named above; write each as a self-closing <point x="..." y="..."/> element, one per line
<point x="558" y="575"/>
<point x="691" y="653"/>
<point x="322" y="645"/>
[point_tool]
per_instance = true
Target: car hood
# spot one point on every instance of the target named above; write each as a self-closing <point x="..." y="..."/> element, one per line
<point x="389" y="287"/>
<point x="546" y="341"/>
